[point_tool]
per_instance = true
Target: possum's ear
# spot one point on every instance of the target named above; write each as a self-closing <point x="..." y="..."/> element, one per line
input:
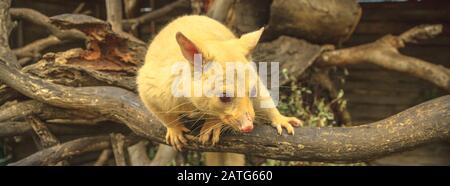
<point x="249" y="40"/>
<point x="187" y="47"/>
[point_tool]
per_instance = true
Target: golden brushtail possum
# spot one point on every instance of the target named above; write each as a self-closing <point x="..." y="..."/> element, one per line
<point x="178" y="42"/>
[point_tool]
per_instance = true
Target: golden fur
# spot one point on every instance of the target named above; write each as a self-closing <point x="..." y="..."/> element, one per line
<point x="216" y="43"/>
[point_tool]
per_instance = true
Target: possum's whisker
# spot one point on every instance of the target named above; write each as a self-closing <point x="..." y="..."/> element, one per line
<point x="262" y="118"/>
<point x="210" y="129"/>
<point x="198" y="119"/>
<point x="179" y="105"/>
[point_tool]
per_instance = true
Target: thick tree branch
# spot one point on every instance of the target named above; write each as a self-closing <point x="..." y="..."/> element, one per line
<point x="384" y="52"/>
<point x="17" y="128"/>
<point x="20" y="110"/>
<point x="421" y="124"/>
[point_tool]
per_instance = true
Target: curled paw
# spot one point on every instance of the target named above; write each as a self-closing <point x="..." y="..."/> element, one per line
<point x="288" y="123"/>
<point x="209" y="134"/>
<point x="175" y="137"/>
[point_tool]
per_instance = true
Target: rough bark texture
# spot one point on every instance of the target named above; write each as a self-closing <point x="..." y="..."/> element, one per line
<point x="19" y="110"/>
<point x="318" y="21"/>
<point x="47" y="139"/>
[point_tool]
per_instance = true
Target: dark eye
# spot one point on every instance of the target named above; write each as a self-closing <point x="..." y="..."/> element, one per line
<point x="224" y="98"/>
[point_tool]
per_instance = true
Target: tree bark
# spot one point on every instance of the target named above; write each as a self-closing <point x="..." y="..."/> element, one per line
<point x="318" y="21"/>
<point x="248" y="15"/>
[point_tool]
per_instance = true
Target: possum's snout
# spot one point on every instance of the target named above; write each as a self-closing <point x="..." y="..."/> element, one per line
<point x="242" y="123"/>
<point x="246" y="123"/>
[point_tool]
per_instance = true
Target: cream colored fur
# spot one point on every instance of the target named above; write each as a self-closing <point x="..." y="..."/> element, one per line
<point x="215" y="42"/>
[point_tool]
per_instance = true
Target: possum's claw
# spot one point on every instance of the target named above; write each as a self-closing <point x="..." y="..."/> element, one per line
<point x="209" y="134"/>
<point x="281" y="122"/>
<point x="175" y="137"/>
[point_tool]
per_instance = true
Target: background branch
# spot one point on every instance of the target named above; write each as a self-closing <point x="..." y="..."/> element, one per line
<point x="37" y="18"/>
<point x="114" y="14"/>
<point x="117" y="143"/>
<point x="103" y="158"/>
<point x="155" y="14"/>
<point x="384" y="53"/>
<point x="63" y="151"/>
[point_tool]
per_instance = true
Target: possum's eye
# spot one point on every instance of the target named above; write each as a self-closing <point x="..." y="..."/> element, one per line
<point x="224" y="98"/>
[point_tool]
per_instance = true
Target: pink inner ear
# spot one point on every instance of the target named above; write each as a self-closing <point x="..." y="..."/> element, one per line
<point x="190" y="49"/>
<point x="187" y="47"/>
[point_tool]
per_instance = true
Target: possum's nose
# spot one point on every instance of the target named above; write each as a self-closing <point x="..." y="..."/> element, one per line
<point x="247" y="129"/>
<point x="246" y="123"/>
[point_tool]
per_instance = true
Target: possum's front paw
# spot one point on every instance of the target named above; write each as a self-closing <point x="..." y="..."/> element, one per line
<point x="209" y="133"/>
<point x="175" y="136"/>
<point x="281" y="122"/>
